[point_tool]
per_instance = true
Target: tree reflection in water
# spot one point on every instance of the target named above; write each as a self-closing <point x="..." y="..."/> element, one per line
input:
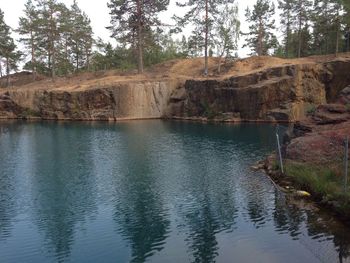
<point x="63" y="186"/>
<point x="139" y="210"/>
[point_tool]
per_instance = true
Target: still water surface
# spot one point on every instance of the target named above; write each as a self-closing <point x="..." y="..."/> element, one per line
<point x="151" y="191"/>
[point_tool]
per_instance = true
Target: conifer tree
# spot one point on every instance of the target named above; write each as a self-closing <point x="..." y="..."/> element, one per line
<point x="301" y="16"/>
<point x="131" y="22"/>
<point x="261" y="38"/>
<point x="286" y="22"/>
<point x="8" y="51"/>
<point x="81" y="37"/>
<point x="50" y="29"/>
<point x="29" y="33"/>
<point x="201" y="14"/>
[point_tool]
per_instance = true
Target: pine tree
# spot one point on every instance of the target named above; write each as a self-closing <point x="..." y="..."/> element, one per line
<point x="286" y="22"/>
<point x="301" y="17"/>
<point x="131" y="22"/>
<point x="261" y="38"/>
<point x="29" y="32"/>
<point x="50" y="31"/>
<point x="306" y="43"/>
<point x="346" y="20"/>
<point x="184" y="46"/>
<point x="80" y="36"/>
<point x="195" y="43"/>
<point x="8" y="51"/>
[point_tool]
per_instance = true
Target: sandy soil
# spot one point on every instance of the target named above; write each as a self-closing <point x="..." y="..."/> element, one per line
<point x="191" y="68"/>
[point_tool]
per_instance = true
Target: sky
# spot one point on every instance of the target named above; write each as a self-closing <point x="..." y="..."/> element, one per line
<point x="98" y="12"/>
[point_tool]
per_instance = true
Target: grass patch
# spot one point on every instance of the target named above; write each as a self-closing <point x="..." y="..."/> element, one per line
<point x="26" y="113"/>
<point x="323" y="182"/>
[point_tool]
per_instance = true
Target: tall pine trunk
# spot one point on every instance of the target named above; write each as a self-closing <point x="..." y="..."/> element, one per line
<point x="77" y="59"/>
<point x="7" y="71"/>
<point x="337" y="35"/>
<point x="53" y="66"/>
<point x="260" y="42"/>
<point x="206" y="39"/>
<point x="139" y="37"/>
<point x="299" y="37"/>
<point x="33" y="56"/>
<point x="287" y="37"/>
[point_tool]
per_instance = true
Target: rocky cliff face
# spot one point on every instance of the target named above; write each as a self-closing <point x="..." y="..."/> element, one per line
<point x="283" y="93"/>
<point x="131" y="100"/>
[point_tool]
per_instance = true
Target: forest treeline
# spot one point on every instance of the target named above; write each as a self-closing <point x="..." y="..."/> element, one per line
<point x="57" y="40"/>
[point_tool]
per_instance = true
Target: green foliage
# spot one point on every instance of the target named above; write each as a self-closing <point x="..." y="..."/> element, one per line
<point x="201" y="15"/>
<point x="326" y="19"/>
<point x="132" y="22"/>
<point x="347" y="107"/>
<point x="9" y="56"/>
<point x="321" y="181"/>
<point x="286" y="21"/>
<point x="57" y="39"/>
<point x="311" y="109"/>
<point x="227" y="31"/>
<point x="275" y="165"/>
<point x="27" y="113"/>
<point x="209" y="112"/>
<point x="80" y="40"/>
<point x="314" y="27"/>
<point x="260" y="37"/>
<point x="160" y="48"/>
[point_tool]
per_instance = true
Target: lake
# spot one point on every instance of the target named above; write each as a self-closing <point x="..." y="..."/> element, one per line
<point x="152" y="191"/>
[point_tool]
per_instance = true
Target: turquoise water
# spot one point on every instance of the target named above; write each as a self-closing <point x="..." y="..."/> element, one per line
<point x="151" y="191"/>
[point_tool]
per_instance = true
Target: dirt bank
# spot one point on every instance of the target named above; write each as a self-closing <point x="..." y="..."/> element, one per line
<point x="257" y="88"/>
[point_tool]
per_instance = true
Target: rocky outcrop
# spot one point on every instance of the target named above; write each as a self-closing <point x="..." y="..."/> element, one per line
<point x="132" y="100"/>
<point x="320" y="138"/>
<point x="8" y="108"/>
<point x="284" y="93"/>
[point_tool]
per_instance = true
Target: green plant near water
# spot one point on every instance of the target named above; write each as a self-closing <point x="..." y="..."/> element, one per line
<point x="311" y="109"/>
<point x="347" y="107"/>
<point x="323" y="182"/>
<point x="209" y="112"/>
<point x="275" y="165"/>
<point x="29" y="113"/>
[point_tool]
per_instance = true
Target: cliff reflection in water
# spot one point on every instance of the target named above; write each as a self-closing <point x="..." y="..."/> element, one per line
<point x="151" y="192"/>
<point x="139" y="208"/>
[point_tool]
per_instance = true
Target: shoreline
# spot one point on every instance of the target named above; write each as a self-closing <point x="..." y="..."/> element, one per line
<point x="290" y="187"/>
<point x="184" y="119"/>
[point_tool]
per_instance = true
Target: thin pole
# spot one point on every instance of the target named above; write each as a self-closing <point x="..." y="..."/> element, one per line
<point x="279" y="150"/>
<point x="346" y="163"/>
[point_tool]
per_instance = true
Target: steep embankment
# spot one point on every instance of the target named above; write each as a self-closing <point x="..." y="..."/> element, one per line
<point x="314" y="151"/>
<point x="120" y="100"/>
<point x="257" y="88"/>
<point x="282" y="93"/>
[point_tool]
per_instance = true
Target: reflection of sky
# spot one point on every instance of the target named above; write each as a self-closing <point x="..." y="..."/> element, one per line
<point x="153" y="190"/>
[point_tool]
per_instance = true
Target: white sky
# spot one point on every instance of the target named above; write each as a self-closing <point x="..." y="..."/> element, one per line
<point x="98" y="12"/>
